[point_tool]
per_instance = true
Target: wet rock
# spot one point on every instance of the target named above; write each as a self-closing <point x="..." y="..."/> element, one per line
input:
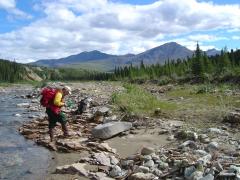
<point x="142" y="176"/>
<point x="76" y="168"/>
<point x="147" y="150"/>
<point x="105" y="131"/>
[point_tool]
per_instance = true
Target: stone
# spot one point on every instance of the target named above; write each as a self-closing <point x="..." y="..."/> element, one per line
<point x="143" y="169"/>
<point x="233" y="117"/>
<point x="170" y="138"/>
<point x="189" y="171"/>
<point x="157" y="172"/>
<point x="147" y="150"/>
<point x="218" y="166"/>
<point x="142" y="176"/>
<point x="163" y="165"/>
<point x="234" y="169"/>
<point x="115" y="171"/>
<point x="110" y="119"/>
<point x="127" y="163"/>
<point x="217" y="131"/>
<point x="106" y="131"/>
<point x="149" y="163"/>
<point x="213" y="146"/>
<point x="113" y="160"/>
<point x="205" y="159"/>
<point x="76" y="168"/>
<point x="207" y="177"/>
<point x="200" y="152"/>
<point x="103" y="110"/>
<point x="100" y="176"/>
<point x="196" y="175"/>
<point x="102" y="158"/>
<point x="147" y="157"/>
<point x="189" y="143"/>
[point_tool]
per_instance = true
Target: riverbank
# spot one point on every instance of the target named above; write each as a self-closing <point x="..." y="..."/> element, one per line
<point x="196" y="130"/>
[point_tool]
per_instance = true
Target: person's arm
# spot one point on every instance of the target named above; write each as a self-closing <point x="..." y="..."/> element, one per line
<point x="58" y="99"/>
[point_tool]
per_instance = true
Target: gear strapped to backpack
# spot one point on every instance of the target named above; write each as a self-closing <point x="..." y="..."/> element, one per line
<point x="48" y="95"/>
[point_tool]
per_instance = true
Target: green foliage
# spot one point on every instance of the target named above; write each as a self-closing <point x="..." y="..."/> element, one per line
<point x="138" y="101"/>
<point x="10" y="71"/>
<point x="199" y="68"/>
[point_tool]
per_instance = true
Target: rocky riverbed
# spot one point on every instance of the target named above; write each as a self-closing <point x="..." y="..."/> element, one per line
<point x="107" y="144"/>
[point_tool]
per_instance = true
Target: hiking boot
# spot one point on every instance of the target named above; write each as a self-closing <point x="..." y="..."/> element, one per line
<point x="65" y="130"/>
<point x="51" y="135"/>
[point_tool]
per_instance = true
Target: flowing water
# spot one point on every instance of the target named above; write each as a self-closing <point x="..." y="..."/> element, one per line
<point x="19" y="158"/>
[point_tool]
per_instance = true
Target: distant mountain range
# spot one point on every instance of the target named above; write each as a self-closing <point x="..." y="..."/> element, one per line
<point x="97" y="60"/>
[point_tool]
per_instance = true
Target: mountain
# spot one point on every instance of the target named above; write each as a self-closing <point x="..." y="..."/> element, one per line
<point x="212" y="52"/>
<point x="82" y="57"/>
<point x="162" y="53"/>
<point x="97" y="60"/>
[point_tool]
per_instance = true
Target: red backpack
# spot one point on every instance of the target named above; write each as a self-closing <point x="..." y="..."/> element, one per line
<point x="48" y="95"/>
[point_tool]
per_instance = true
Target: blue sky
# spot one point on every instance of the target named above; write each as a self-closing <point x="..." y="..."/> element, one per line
<point x="36" y="29"/>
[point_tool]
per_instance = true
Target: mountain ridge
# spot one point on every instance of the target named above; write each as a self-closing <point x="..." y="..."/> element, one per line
<point x="159" y="54"/>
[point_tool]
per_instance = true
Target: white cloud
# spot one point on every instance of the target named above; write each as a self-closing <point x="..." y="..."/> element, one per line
<point x="236" y="37"/>
<point x="205" y="38"/>
<point x="10" y="7"/>
<point x="73" y="26"/>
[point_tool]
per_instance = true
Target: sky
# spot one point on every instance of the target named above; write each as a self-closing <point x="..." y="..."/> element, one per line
<point x="45" y="29"/>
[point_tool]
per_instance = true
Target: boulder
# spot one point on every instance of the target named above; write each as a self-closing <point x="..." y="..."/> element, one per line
<point x="76" y="168"/>
<point x="147" y="150"/>
<point x="106" y="131"/>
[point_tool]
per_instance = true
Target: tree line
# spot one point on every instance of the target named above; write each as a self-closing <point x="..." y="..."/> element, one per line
<point x="199" y="67"/>
<point x="10" y="71"/>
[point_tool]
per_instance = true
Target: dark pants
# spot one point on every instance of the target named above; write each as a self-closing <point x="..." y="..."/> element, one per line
<point x="54" y="118"/>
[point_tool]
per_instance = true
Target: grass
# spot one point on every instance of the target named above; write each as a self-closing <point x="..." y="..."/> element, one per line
<point x="140" y="102"/>
<point x="205" y="104"/>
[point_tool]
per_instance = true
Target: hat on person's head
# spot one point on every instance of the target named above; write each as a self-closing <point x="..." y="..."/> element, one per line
<point x="68" y="89"/>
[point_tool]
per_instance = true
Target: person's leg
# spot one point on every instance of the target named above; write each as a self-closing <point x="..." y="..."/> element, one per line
<point x="51" y="123"/>
<point x="63" y="121"/>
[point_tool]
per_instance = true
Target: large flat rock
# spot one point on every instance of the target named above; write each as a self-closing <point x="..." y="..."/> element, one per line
<point x="106" y="131"/>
